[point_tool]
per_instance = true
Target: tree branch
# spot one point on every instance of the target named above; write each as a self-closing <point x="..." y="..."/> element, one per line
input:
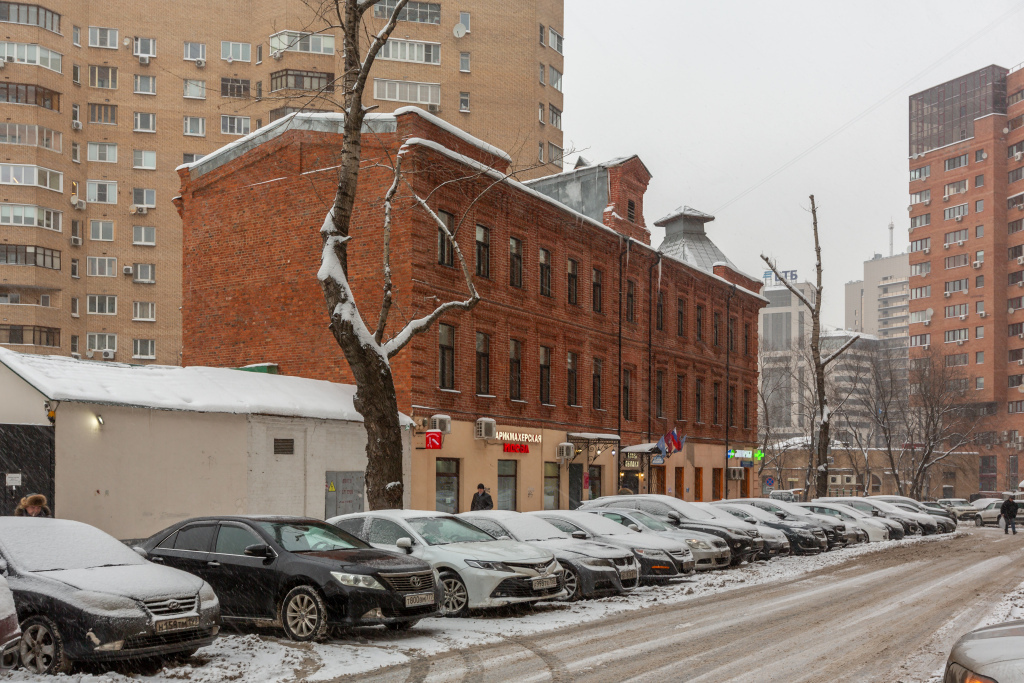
<point x="385" y="306"/>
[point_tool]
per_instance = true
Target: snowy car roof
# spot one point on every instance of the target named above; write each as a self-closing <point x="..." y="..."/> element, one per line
<point x="193" y="389"/>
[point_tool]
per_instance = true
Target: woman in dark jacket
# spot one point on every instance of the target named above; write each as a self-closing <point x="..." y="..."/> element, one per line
<point x="33" y="506"/>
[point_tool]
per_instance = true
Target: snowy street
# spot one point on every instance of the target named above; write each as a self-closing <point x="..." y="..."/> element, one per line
<point x="874" y="612"/>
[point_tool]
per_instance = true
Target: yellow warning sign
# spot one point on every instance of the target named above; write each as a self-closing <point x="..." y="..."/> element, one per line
<point x="331" y="487"/>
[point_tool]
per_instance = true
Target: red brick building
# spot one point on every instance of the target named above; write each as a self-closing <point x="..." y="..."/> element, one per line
<point x="585" y="334"/>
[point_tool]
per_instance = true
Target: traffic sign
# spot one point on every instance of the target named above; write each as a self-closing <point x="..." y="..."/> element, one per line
<point x="770" y="481"/>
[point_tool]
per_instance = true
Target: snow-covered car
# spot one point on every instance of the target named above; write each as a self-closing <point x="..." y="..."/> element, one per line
<point x="775" y="541"/>
<point x="709" y="551"/>
<point x="990" y="514"/>
<point x="476" y="571"/>
<point x="876" y="508"/>
<point x="834" y="530"/>
<point x="801" y="536"/>
<point x="660" y="558"/>
<point x="876" y="528"/>
<point x="959" y="507"/>
<point x="945" y="519"/>
<point x="987" y="655"/>
<point x="82" y="595"/>
<point x="981" y="503"/>
<point x="788" y="495"/>
<point x="592" y="569"/>
<point x="10" y="630"/>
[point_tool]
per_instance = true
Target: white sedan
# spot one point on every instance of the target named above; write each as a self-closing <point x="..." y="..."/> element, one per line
<point x="876" y="530"/>
<point x="475" y="570"/>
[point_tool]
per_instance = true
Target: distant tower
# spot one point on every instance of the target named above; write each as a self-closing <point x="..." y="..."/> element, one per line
<point x="891" y="228"/>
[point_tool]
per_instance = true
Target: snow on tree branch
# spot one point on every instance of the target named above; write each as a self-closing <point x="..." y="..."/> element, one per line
<point x="831" y="357"/>
<point x="804" y="300"/>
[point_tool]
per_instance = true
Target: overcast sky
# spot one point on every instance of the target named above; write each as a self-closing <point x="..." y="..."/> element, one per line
<point x="717" y="96"/>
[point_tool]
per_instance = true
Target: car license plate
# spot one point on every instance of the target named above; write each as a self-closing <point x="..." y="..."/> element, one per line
<point x="628" y="573"/>
<point x="546" y="582"/>
<point x="176" y="624"/>
<point x="419" y="599"/>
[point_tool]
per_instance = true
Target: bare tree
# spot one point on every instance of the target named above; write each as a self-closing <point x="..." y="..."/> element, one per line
<point x="819" y="364"/>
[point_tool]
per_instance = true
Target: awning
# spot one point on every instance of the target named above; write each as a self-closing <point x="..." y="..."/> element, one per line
<point x="591" y="445"/>
<point x="642" y="448"/>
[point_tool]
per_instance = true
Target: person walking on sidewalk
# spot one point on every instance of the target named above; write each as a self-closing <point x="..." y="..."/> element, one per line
<point x="482" y="500"/>
<point x="1009" y="512"/>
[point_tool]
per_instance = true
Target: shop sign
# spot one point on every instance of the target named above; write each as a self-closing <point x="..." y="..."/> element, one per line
<point x="518" y="437"/>
<point x="515" y="448"/>
<point x="745" y="454"/>
<point x="631" y="461"/>
<point x="433" y="440"/>
<point x="658" y="460"/>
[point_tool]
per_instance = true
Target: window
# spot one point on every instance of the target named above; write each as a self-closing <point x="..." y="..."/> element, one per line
<point x="958" y="261"/>
<point x="102" y="304"/>
<point x="32" y="136"/>
<point x="507" y="484"/>
<point x="102" y="266"/>
<point x="700" y="323"/>
<point x="626" y="385"/>
<point x="1013" y="407"/>
<point x="234" y="125"/>
<point x="920" y="340"/>
<point x="234" y="87"/>
<point x="74" y="267"/>
<point x="145" y="122"/>
<point x="555" y="116"/>
<point x="596" y="384"/>
<point x="545" y="272"/>
<point x="515" y="262"/>
<point x="921" y="197"/>
<point x="23" y="214"/>
<point x="464" y="20"/>
<point x="294" y="41"/>
<point x="540" y="152"/>
<point x="483" y="364"/>
<point x="145" y="272"/>
<point x="420" y="12"/>
<point x="554" y="154"/>
<point x="595" y="481"/>
<point x="680" y="393"/>
<point x="961" y="334"/>
<point x="955" y="188"/>
<point x="921" y="245"/>
<point x="979" y="306"/>
<point x="194" y="51"/>
<point x="34" y="176"/>
<point x="514" y="370"/>
<point x="659" y="394"/>
<point x="698" y="400"/>
<point x="25" y="255"/>
<point x="74" y="308"/>
<point x="659" y="318"/>
<point x="145" y="348"/>
<point x="463" y="101"/>
<point x="572" y="268"/>
<point x="555" y="40"/>
<point x="144" y="310"/>
<point x="18" y="93"/>
<point x="144" y="159"/>
<point x="956" y="162"/>
<point x="31" y="53"/>
<point x="543" y="33"/>
<point x="979" y="206"/>
<point x="103" y="152"/>
<point x="956" y="286"/>
<point x="483" y="253"/>
<point x="571" y="396"/>
<point x="464" y="62"/>
<point x="920" y="173"/>
<point x="955" y="236"/>
<point x="446" y="485"/>
<point x="979" y="231"/>
<point x="145" y="85"/>
<point x="920" y="292"/>
<point x="103" y="77"/>
<point x="956" y="311"/>
<point x="954" y="212"/>
<point x="231" y="52"/>
<point x="956" y="359"/>
<point x="103" y="113"/>
<point x="195" y="125"/>
<point x="555" y="78"/>
<point x="142" y="196"/>
<point x="446" y="354"/>
<point x="630" y="296"/>
<point x="101" y="231"/>
<point x="445" y="250"/>
<point x="730" y="334"/>
<point x="101" y="342"/>
<point x="715" y="400"/>
<point x="103" y="37"/>
<point x="545" y="375"/>
<point x="716" y="324"/>
<point x="921" y="221"/>
<point x="407" y="91"/>
<point x="979" y="332"/>
<point x="292" y="79"/>
<point x="32" y="15"/>
<point x="552" y="484"/>
<point x="191" y="158"/>
<point x="540" y="113"/>
<point x="596" y="277"/>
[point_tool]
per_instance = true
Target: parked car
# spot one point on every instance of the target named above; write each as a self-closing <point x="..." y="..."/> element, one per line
<point x="802" y="539"/>
<point x="984" y="502"/>
<point x="834" y="530"/>
<point x="990" y="514"/>
<point x="988" y="654"/>
<point x="945" y="524"/>
<point x="877" y="528"/>
<point x="877" y="508"/>
<point x="942" y="516"/>
<point x="659" y="558"/>
<point x="591" y="569"/>
<point x="744" y="542"/>
<point x="788" y="495"/>
<point x="82" y="595"/>
<point x="10" y="630"/>
<point x="298" y="574"/>
<point x="475" y="570"/>
<point x="960" y="507"/>
<point x="709" y="551"/>
<point x="775" y="542"/>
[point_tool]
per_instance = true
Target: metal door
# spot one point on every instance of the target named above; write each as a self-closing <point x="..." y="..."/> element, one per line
<point x="575" y="485"/>
<point x="344" y="493"/>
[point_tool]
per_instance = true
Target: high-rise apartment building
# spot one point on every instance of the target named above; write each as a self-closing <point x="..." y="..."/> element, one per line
<point x="103" y="100"/>
<point x="879" y="304"/>
<point x="966" y="212"/>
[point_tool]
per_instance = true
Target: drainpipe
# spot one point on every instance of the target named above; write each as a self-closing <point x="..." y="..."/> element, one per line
<point x="650" y="357"/>
<point x="618" y="453"/>
<point x="728" y="404"/>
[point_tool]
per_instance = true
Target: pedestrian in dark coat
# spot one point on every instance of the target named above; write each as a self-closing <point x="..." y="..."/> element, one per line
<point x="481" y="499"/>
<point x="33" y="506"/>
<point x="1009" y="512"/>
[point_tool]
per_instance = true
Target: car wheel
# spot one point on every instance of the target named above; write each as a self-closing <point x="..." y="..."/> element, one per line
<point x="402" y="625"/>
<point x="303" y="614"/>
<point x="978" y="521"/>
<point x="572" y="583"/>
<point x="42" y="648"/>
<point x="455" y="601"/>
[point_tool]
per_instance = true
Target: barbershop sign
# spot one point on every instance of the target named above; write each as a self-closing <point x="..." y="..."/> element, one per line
<point x="517" y="442"/>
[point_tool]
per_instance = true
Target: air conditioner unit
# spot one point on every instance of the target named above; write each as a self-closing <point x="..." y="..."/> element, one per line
<point x="945" y="197"/>
<point x="76" y="241"/>
<point x="1020" y="336"/>
<point x="976" y="264"/>
<point x="1021" y="283"/>
<point x="1021" y="362"/>
<point x="76" y="356"/>
<point x="565" y="452"/>
<point x="927" y="250"/>
<point x="960" y="342"/>
<point x="834" y="479"/>
<point x="108" y="354"/>
<point x="128" y="270"/>
<point x="927" y="323"/>
<point x="76" y="125"/>
<point x="2" y="64"/>
<point x="90" y="353"/>
<point x="1020" y="260"/>
<point x="982" y="314"/>
<point x="81" y="205"/>
<point x="736" y="474"/>
<point x="963" y="317"/>
<point x="441" y="423"/>
<point x="1010" y="311"/>
<point x="947" y="294"/>
<point x="927" y="347"/>
<point x="433" y="108"/>
<point x="138" y="208"/>
<point x="200" y="63"/>
<point x="1018" y="156"/>
<point x="143" y="59"/>
<point x="960" y="243"/>
<point x="848" y="479"/>
<point x="958" y="220"/>
<point x="946" y="245"/>
<point x="927" y="202"/>
<point x="924" y="274"/>
<point x="486" y="428"/>
<point x="277" y="54"/>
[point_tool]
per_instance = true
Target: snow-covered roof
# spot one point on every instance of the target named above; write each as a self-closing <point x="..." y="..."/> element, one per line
<point x="696" y="250"/>
<point x="641" y="448"/>
<point x="687" y="212"/>
<point x="592" y="436"/>
<point x="194" y="389"/>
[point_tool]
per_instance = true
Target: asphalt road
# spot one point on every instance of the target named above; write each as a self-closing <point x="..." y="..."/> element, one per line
<point x="888" y="616"/>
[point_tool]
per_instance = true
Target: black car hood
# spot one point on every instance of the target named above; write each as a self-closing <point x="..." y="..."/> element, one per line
<point x="367" y="560"/>
<point x="716" y="525"/>
<point x="138" y="581"/>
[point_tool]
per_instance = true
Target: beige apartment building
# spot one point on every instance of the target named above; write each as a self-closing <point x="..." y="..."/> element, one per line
<point x="880" y="303"/>
<point x="102" y="100"/>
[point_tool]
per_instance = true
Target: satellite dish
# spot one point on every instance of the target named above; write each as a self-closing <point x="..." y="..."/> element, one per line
<point x="460" y="30"/>
<point x="228" y="60"/>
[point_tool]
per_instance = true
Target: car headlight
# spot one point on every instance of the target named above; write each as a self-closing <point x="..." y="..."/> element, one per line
<point x="107" y="602"/>
<point x="206" y="594"/>
<point x="492" y="566"/>
<point x="697" y="544"/>
<point x="597" y="562"/>
<point x="648" y="552"/>
<point x="357" y="580"/>
<point x="737" y="544"/>
<point x="752" y="533"/>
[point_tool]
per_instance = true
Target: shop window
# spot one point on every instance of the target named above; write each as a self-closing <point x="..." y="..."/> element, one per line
<point x="446" y="485"/>
<point x="595" y="481"/>
<point x="507" y="475"/>
<point x="552" y="476"/>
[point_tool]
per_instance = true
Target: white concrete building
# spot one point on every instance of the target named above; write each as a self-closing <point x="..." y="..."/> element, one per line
<point x="132" y="449"/>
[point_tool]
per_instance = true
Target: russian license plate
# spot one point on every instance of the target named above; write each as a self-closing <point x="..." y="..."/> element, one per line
<point x="628" y="573"/>
<point x="546" y="582"/>
<point x="419" y="599"/>
<point x="176" y="624"/>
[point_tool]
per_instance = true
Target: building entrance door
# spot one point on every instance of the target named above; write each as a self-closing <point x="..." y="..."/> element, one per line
<point x="657" y="482"/>
<point x="575" y="485"/>
<point x="344" y="493"/>
<point x="680" y="482"/>
<point x="629" y="479"/>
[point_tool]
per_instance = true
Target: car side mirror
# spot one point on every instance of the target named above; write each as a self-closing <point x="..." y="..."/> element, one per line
<point x="876" y="513"/>
<point x="141" y="552"/>
<point x="780" y="514"/>
<point x="503" y="537"/>
<point x="3" y="566"/>
<point x="405" y="543"/>
<point x="580" y="535"/>
<point x="675" y="516"/>
<point x="259" y="550"/>
<point x="634" y="527"/>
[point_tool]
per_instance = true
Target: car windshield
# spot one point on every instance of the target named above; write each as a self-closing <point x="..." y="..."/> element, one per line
<point x="717" y="512"/>
<point x="599" y="526"/>
<point x="648" y="521"/>
<point x="532" y="528"/>
<point x="444" y="530"/>
<point x="884" y="507"/>
<point x="756" y="513"/>
<point x="955" y="501"/>
<point x="306" y="537"/>
<point x="40" y="545"/>
<point x="690" y="510"/>
<point x="791" y="508"/>
<point x="850" y="511"/>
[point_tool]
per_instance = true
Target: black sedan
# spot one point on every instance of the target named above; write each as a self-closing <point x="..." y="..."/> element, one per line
<point x="802" y="537"/>
<point x="82" y="595"/>
<point x="299" y="574"/>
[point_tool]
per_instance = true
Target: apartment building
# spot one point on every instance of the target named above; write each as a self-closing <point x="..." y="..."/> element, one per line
<point x="879" y="304"/>
<point x="966" y="211"/>
<point x="103" y="100"/>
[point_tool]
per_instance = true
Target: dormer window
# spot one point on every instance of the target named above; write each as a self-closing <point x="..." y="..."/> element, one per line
<point x="631" y="211"/>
